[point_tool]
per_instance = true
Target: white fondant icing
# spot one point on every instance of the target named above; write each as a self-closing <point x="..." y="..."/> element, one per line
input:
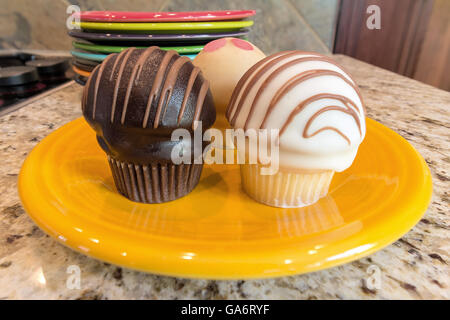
<point x="333" y="136"/>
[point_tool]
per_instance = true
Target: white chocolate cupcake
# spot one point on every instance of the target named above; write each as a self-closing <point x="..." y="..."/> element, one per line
<point x="318" y="110"/>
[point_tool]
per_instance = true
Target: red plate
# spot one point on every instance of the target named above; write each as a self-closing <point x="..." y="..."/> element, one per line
<point x="134" y="16"/>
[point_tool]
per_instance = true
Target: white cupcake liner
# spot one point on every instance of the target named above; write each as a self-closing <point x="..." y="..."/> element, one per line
<point x="285" y="189"/>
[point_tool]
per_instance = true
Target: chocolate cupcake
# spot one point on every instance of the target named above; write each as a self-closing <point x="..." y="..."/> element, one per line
<point x="134" y="101"/>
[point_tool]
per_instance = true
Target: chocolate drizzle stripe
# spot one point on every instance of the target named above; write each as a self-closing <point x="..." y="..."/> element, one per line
<point x="189" y="86"/>
<point x="294" y="81"/>
<point x="237" y="90"/>
<point x="301" y="106"/>
<point x="116" y="61"/>
<point x="162" y="106"/>
<point x="150" y="49"/>
<point x="243" y="81"/>
<point x="97" y="82"/>
<point x="346" y="101"/>
<point x="118" y="56"/>
<point x="274" y="74"/>
<point x="310" y="100"/>
<point x="200" y="99"/>
<point x="137" y="67"/>
<point x="328" y="128"/>
<point x="157" y="83"/>
<point x="119" y="77"/>
<point x="347" y="110"/>
<point x="166" y="92"/>
<point x="261" y="72"/>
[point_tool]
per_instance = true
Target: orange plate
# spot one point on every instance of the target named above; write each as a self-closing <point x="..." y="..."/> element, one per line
<point x="217" y="231"/>
<point x="81" y="72"/>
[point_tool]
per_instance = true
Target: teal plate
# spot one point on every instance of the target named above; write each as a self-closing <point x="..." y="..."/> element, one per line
<point x="101" y="57"/>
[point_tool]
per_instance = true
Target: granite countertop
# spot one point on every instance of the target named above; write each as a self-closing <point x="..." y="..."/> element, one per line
<point x="33" y="265"/>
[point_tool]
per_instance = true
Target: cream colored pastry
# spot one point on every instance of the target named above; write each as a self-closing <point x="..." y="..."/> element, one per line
<point x="318" y="109"/>
<point x="223" y="62"/>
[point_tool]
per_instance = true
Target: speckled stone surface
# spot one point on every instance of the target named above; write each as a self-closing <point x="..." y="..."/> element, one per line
<point x="32" y="265"/>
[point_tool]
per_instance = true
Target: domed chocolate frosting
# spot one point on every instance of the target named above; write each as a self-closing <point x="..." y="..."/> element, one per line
<point x="135" y="99"/>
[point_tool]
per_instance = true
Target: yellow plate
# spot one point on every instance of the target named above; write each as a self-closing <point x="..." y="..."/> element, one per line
<point x="217" y="231"/>
<point x="195" y="27"/>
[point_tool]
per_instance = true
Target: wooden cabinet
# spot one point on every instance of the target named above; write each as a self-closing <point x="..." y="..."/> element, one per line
<point x="413" y="39"/>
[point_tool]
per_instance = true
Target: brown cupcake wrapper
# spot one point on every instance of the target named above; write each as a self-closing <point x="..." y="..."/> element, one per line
<point x="155" y="182"/>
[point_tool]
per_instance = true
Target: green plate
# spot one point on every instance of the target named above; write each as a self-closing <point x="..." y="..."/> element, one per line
<point x="166" y="26"/>
<point x="114" y="49"/>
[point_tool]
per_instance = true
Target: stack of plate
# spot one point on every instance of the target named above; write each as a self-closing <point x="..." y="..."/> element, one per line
<point x="99" y="33"/>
